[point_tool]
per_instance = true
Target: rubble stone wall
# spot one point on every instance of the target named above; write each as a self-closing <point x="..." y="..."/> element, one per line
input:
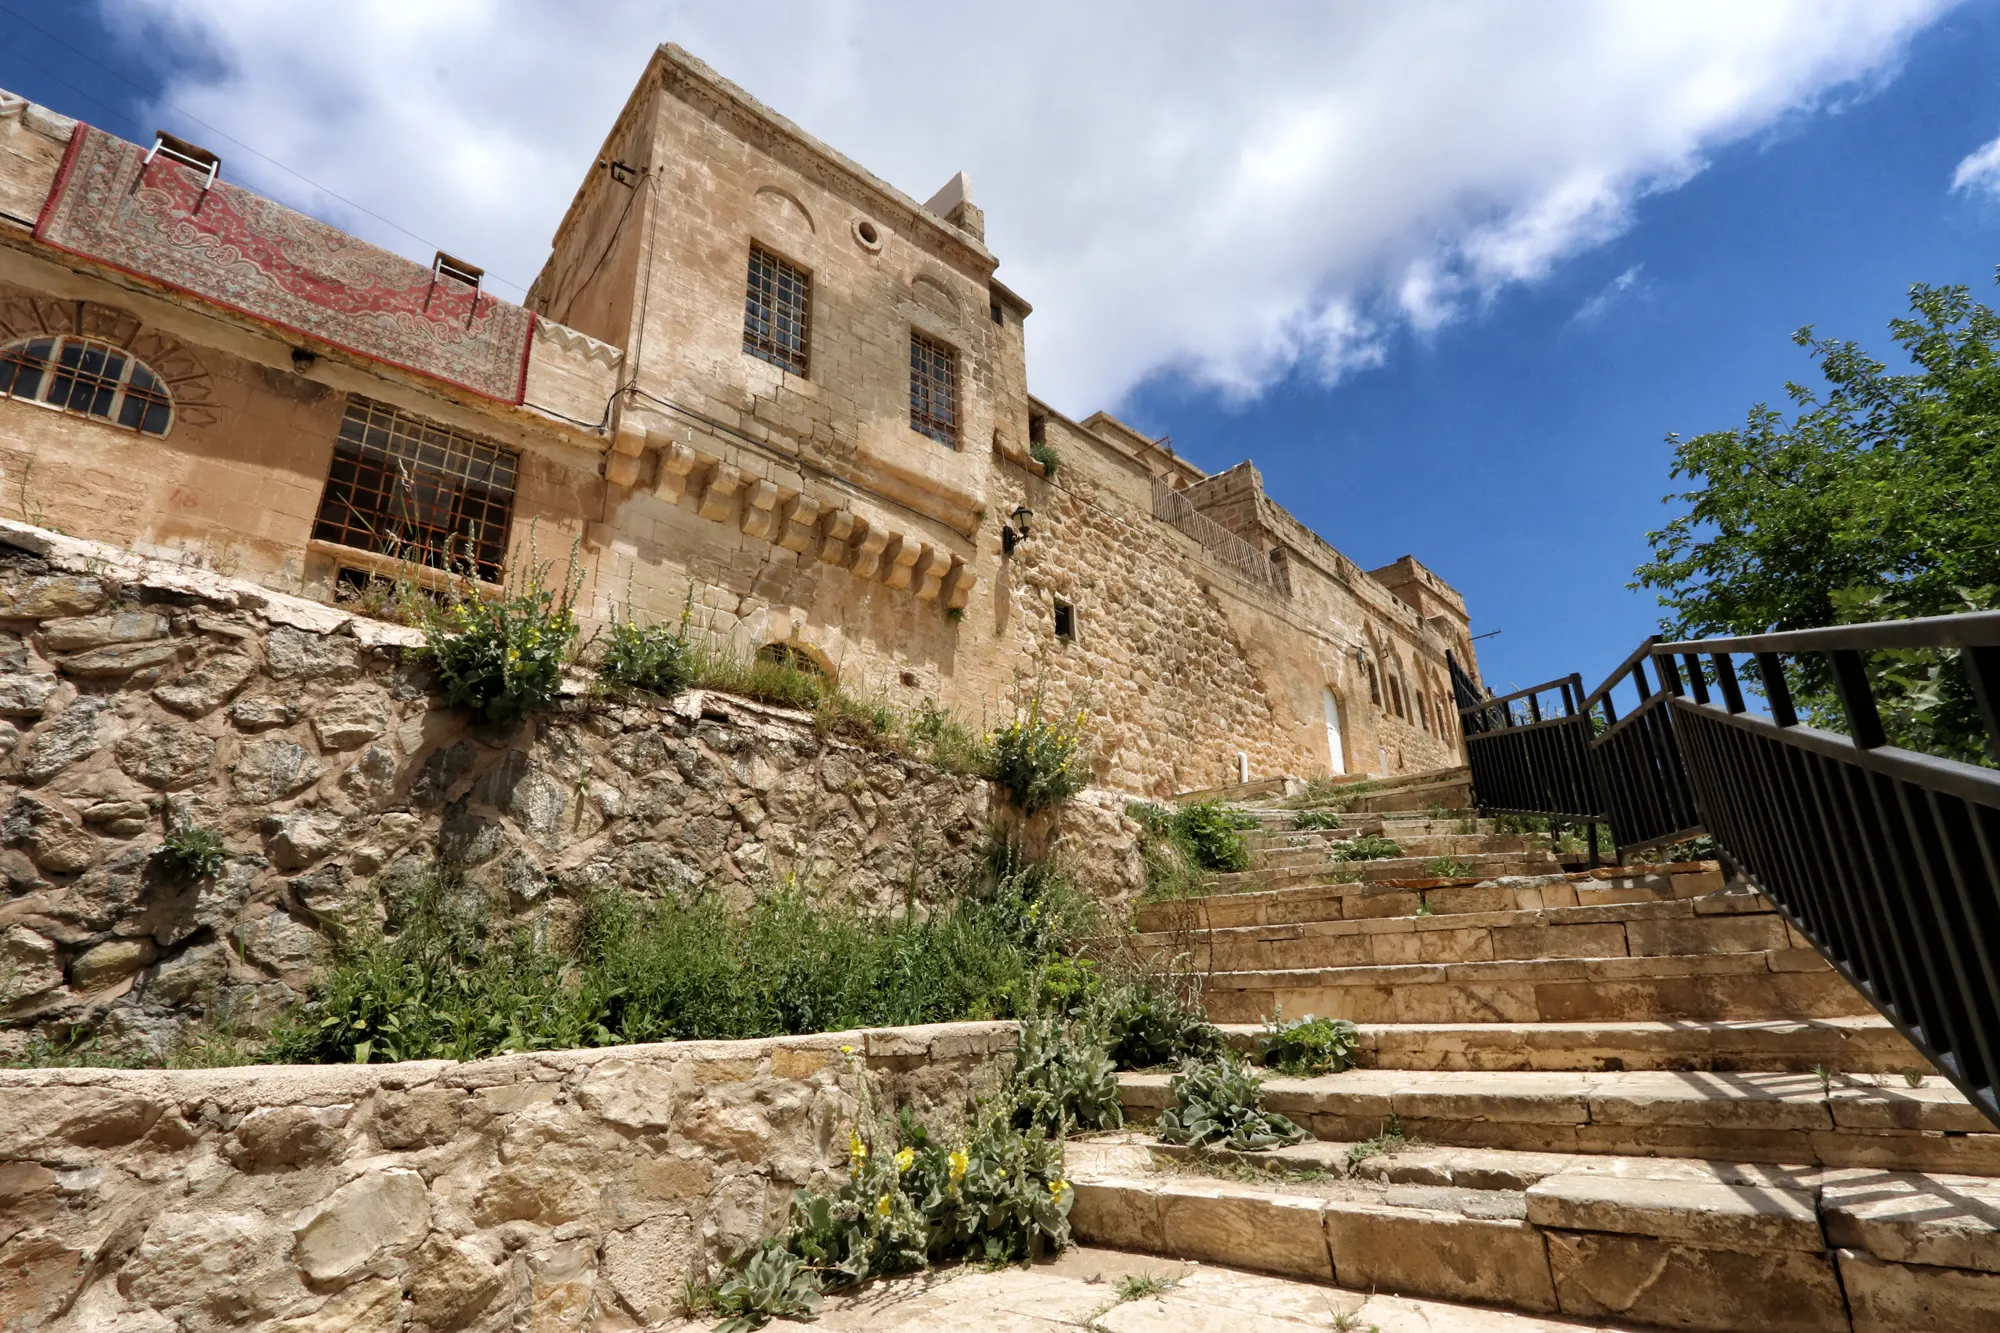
<point x="572" y="1190"/>
<point x="134" y="693"/>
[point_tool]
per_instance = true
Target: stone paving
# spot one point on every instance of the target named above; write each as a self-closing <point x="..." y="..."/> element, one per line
<point x="1078" y="1290"/>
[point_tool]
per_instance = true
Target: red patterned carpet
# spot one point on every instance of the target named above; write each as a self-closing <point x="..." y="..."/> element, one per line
<point x="245" y="251"/>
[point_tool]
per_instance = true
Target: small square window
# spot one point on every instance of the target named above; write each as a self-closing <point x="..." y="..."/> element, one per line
<point x="1065" y="622"/>
<point x="998" y="318"/>
<point x="933" y="389"/>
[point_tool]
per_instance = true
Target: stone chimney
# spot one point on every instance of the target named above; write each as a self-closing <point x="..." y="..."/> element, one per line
<point x="954" y="204"/>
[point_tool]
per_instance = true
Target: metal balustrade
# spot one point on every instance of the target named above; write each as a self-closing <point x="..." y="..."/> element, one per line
<point x="1886" y="859"/>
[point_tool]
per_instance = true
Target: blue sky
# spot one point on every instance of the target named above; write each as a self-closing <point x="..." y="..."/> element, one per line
<point x="1521" y="452"/>
<point x="1449" y="279"/>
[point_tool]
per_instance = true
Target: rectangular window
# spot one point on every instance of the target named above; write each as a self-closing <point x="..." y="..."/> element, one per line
<point x="1065" y="622"/>
<point x="933" y="389"/>
<point x="403" y="487"/>
<point x="1395" y="696"/>
<point x="777" y="312"/>
<point x="1374" y="686"/>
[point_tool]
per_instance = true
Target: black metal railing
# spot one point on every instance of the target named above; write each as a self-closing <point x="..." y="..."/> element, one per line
<point x="1888" y="860"/>
<point x="1528" y="762"/>
<point x="1635" y="766"/>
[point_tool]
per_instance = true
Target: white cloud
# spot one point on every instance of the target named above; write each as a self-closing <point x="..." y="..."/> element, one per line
<point x="1609" y="295"/>
<point x="1227" y="195"/>
<point x="1980" y="170"/>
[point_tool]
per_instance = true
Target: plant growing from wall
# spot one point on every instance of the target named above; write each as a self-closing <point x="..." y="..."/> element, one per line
<point x="1305" y="1047"/>
<point x="1220" y="1103"/>
<point x="501" y="658"/>
<point x="1448" y="867"/>
<point x="1039" y="760"/>
<point x="190" y="852"/>
<point x="1044" y="453"/>
<point x="1316" y="819"/>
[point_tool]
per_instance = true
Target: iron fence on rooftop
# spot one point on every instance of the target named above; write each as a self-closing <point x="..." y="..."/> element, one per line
<point x="1170" y="506"/>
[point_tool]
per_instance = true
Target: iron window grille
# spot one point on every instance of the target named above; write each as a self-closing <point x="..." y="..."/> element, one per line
<point x="777" y="312"/>
<point x="933" y="389"/>
<point x="400" y="486"/>
<point x="88" y="378"/>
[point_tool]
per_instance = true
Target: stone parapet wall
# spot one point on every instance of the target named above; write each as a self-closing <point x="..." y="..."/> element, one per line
<point x="135" y="693"/>
<point x="570" y="1190"/>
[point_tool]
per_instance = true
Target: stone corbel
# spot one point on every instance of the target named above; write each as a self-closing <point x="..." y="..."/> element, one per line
<point x="868" y="553"/>
<point x="834" y="545"/>
<point x="718" y="498"/>
<point x="958" y="586"/>
<point x="932" y="566"/>
<point x="899" y="563"/>
<point x="801" y="523"/>
<point x="676" y="462"/>
<point x="759" y="504"/>
<point x="621" y="466"/>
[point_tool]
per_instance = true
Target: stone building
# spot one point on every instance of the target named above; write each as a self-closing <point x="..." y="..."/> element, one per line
<point x="749" y="369"/>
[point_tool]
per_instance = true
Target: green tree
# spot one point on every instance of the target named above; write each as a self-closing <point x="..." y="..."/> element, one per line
<point x="1878" y="499"/>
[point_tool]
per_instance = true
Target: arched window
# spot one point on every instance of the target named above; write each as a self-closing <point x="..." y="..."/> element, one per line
<point x="88" y="377"/>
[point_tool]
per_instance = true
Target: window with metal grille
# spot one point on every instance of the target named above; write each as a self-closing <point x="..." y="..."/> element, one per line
<point x="89" y="378"/>
<point x="403" y="487"/>
<point x="933" y="389"/>
<point x="777" y="312"/>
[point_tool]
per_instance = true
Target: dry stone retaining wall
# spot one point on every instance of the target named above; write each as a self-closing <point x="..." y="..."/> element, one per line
<point x="133" y="693"/>
<point x="571" y="1190"/>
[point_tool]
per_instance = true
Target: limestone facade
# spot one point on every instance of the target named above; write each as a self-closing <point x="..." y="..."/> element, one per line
<point x="1208" y="634"/>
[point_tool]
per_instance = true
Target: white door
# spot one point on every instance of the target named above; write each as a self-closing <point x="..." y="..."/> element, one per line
<point x="1334" y="752"/>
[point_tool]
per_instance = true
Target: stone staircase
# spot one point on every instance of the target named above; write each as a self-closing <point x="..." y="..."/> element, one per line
<point x="1633" y="1095"/>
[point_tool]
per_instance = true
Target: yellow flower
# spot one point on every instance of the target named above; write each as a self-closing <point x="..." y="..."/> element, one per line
<point x="847" y="1050"/>
<point x="905" y="1158"/>
<point x="1057" y="1188"/>
<point x="857" y="1151"/>
<point x="882" y="1206"/>
<point x="959" y="1161"/>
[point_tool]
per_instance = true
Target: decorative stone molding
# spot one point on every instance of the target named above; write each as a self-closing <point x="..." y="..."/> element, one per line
<point x="959" y="585"/>
<point x="573" y="343"/>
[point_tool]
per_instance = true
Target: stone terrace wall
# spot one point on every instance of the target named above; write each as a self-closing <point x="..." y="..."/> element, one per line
<point x="300" y="733"/>
<point x="571" y="1190"/>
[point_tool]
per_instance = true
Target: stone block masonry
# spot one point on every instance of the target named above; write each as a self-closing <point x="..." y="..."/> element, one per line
<point x="134" y="693"/>
<point x="562" y="1190"/>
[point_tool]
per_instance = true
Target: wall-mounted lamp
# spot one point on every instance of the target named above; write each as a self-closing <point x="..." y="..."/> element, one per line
<point x="1017" y="531"/>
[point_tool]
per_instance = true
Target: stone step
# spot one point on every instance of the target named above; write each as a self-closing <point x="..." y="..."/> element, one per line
<point x="1846" y="1121"/>
<point x="1472" y="866"/>
<point x="1859" y="1045"/>
<point x="1616" y="930"/>
<point x="1774" y="983"/>
<point x="1304" y="849"/>
<point x="1692" y="1245"/>
<point x="1322" y="901"/>
<point x="1446" y="794"/>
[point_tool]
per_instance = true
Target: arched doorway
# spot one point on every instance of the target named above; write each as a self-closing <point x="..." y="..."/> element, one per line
<point x="1335" y="753"/>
